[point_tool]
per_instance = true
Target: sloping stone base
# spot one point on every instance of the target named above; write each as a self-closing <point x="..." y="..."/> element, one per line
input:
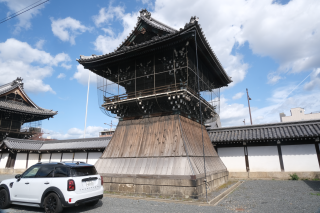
<point x="171" y="186"/>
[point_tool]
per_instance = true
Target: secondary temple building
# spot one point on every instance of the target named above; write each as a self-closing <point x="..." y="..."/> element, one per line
<point x="20" y="117"/>
<point x="20" y="121"/>
<point x="162" y="84"/>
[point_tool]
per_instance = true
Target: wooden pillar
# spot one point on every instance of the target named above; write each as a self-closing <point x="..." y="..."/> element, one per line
<point x="280" y="156"/>
<point x="318" y="151"/>
<point x="27" y="160"/>
<point x="87" y="157"/>
<point x="246" y="157"/>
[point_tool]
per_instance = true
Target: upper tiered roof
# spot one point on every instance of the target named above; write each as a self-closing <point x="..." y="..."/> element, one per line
<point x="158" y="34"/>
<point x="26" y="105"/>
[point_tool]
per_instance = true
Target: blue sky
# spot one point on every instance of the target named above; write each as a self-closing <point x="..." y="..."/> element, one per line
<point x="267" y="46"/>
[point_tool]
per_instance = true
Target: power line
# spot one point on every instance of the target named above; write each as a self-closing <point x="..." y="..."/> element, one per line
<point x="22" y="11"/>
<point x="19" y="11"/>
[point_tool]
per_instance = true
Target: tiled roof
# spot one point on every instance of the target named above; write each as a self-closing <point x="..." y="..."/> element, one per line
<point x="58" y="145"/>
<point x="12" y="105"/>
<point x="189" y="27"/>
<point x="262" y="132"/>
<point x="16" y="106"/>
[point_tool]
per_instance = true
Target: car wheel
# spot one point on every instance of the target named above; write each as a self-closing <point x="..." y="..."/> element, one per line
<point x="92" y="203"/>
<point x="52" y="204"/>
<point x="4" y="199"/>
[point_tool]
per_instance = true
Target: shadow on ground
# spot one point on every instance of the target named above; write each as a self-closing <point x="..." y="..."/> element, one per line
<point x="314" y="185"/>
<point x="16" y="208"/>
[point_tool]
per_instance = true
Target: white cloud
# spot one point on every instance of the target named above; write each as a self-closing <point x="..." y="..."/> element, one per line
<point x="238" y="96"/>
<point x="82" y="75"/>
<point x="107" y="15"/>
<point x="40" y="44"/>
<point x="315" y="80"/>
<point x="234" y="114"/>
<point x="19" y="59"/>
<point x="61" y="75"/>
<point x="67" y="29"/>
<point x="273" y="77"/>
<point x="24" y="18"/>
<point x="110" y="41"/>
<point x="73" y="133"/>
<point x="287" y="33"/>
<point x="66" y="66"/>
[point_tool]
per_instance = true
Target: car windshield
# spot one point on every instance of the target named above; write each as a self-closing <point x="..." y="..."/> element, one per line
<point x="31" y="172"/>
<point x="83" y="171"/>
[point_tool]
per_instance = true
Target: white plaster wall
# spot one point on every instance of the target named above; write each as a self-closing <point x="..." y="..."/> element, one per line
<point x="55" y="157"/>
<point x="233" y="158"/>
<point x="298" y="158"/>
<point x="21" y="161"/>
<point x="33" y="159"/>
<point x="67" y="156"/>
<point x="4" y="160"/>
<point x="80" y="156"/>
<point x="93" y="157"/>
<point x="45" y="158"/>
<point x="263" y="159"/>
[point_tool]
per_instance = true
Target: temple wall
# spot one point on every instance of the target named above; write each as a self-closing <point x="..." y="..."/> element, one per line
<point x="300" y="158"/>
<point x="264" y="161"/>
<point x="45" y="157"/>
<point x="21" y="161"/>
<point x="20" y="164"/>
<point x="233" y="158"/>
<point x="33" y="159"/>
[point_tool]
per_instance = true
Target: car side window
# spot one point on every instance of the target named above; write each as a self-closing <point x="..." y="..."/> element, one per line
<point x="61" y="172"/>
<point x="45" y="171"/>
<point x="31" y="172"/>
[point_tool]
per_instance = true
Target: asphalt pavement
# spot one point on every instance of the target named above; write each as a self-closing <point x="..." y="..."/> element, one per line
<point x="257" y="196"/>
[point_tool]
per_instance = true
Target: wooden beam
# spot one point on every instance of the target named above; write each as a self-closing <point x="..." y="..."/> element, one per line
<point x="280" y="157"/>
<point x="27" y="160"/>
<point x="246" y="157"/>
<point x="318" y="152"/>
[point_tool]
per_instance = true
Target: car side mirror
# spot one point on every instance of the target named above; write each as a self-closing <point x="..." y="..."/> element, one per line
<point x="18" y="177"/>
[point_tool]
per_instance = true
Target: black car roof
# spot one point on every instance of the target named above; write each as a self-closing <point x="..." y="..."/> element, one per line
<point x="68" y="164"/>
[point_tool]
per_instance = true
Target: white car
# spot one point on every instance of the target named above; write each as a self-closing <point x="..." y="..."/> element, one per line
<point x="53" y="186"/>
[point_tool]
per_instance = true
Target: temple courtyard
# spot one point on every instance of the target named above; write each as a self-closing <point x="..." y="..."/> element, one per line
<point x="251" y="196"/>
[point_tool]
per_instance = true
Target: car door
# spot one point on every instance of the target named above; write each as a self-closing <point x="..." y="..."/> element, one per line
<point x="43" y="180"/>
<point x="23" y="188"/>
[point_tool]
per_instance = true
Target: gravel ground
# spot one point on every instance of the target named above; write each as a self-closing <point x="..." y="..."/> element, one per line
<point x="274" y="196"/>
<point x="251" y="196"/>
<point x="4" y="177"/>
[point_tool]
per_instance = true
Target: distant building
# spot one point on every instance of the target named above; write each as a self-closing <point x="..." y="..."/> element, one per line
<point x="107" y="133"/>
<point x="20" y="117"/>
<point x="297" y="114"/>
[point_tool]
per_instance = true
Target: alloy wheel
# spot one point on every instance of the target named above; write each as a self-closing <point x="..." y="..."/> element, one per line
<point x="2" y="199"/>
<point x="51" y="204"/>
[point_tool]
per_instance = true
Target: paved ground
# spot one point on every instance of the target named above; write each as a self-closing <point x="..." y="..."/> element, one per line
<point x="256" y="196"/>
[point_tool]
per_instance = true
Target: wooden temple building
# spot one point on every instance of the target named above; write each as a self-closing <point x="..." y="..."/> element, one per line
<point x="21" y="142"/>
<point x="20" y="117"/>
<point x="162" y="84"/>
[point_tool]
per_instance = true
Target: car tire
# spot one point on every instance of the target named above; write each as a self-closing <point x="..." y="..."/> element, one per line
<point x="52" y="204"/>
<point x="4" y="199"/>
<point x="92" y="203"/>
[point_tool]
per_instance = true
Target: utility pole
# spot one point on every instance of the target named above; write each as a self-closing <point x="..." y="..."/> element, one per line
<point x="85" y="122"/>
<point x="249" y="105"/>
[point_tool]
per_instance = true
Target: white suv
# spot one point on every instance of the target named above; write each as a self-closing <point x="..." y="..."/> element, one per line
<point x="53" y="186"/>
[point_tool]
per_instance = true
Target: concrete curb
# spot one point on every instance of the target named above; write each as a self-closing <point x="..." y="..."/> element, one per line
<point x="224" y="194"/>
